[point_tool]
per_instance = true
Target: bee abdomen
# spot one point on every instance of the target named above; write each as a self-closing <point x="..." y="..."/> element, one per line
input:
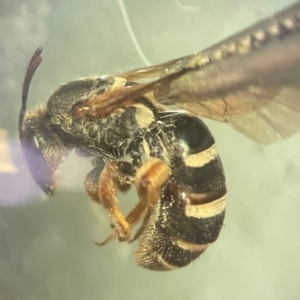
<point x="191" y="210"/>
<point x="178" y="231"/>
<point x="165" y="254"/>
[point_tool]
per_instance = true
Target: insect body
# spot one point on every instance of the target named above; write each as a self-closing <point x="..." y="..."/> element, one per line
<point x="171" y="157"/>
<point x="250" y="81"/>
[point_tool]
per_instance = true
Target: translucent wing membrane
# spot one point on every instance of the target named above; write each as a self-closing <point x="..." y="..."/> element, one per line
<point x="251" y="80"/>
<point x="278" y="119"/>
<point x="257" y="93"/>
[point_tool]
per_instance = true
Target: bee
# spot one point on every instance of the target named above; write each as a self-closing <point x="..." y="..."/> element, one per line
<point x="149" y="134"/>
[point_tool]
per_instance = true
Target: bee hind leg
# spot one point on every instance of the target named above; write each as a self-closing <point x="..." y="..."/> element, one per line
<point x="150" y="178"/>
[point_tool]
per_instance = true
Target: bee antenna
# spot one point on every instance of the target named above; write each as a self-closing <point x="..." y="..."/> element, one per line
<point x="33" y="65"/>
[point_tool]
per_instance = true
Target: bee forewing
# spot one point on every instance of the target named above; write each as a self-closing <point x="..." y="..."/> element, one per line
<point x="256" y="93"/>
<point x="149" y="72"/>
<point x="250" y="81"/>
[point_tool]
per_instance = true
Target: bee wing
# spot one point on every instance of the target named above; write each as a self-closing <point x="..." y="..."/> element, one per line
<point x="257" y="93"/>
<point x="155" y="71"/>
<point x="250" y="81"/>
<point x="103" y="104"/>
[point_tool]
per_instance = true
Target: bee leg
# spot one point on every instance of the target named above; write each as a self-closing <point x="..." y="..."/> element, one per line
<point x="91" y="181"/>
<point x="101" y="185"/>
<point x="150" y="178"/>
<point x="143" y="226"/>
<point x="44" y="151"/>
<point x="127" y="172"/>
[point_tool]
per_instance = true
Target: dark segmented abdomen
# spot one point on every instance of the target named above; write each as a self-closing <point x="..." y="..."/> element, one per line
<point x="178" y="232"/>
<point x="191" y="211"/>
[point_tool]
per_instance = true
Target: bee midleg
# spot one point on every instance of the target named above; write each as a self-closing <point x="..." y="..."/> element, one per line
<point x="150" y="178"/>
<point x="44" y="150"/>
<point x="101" y="185"/>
